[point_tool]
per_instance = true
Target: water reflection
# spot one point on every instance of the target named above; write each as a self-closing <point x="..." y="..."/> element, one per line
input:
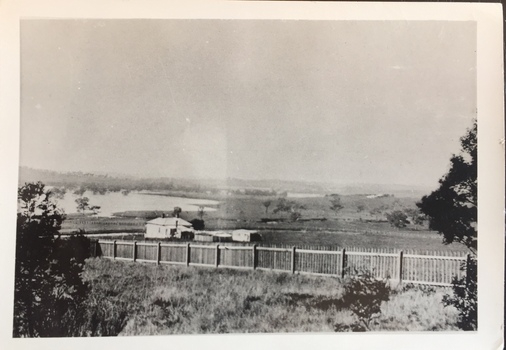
<point x="114" y="202"/>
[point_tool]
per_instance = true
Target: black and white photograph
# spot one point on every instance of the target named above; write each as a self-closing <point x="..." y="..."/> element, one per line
<point x="229" y="175"/>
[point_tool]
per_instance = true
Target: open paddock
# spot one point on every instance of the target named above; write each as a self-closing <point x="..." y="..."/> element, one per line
<point x="144" y="299"/>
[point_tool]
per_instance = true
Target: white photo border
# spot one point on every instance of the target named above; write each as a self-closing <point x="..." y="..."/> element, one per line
<point x="490" y="102"/>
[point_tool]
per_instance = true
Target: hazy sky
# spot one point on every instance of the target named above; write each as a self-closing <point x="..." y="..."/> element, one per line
<point x="341" y="101"/>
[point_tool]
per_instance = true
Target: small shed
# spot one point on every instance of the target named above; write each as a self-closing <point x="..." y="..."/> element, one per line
<point x="168" y="228"/>
<point x="246" y="236"/>
<point x="212" y="236"/>
<point x="203" y="237"/>
<point x="222" y="237"/>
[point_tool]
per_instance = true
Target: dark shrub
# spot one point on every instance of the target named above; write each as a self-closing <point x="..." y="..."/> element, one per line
<point x="198" y="224"/>
<point x="49" y="293"/>
<point x="397" y="219"/>
<point x="465" y="297"/>
<point x="363" y="295"/>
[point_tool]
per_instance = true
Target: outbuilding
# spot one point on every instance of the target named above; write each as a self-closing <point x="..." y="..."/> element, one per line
<point x="246" y="236"/>
<point x="212" y="236"/>
<point x="168" y="228"/>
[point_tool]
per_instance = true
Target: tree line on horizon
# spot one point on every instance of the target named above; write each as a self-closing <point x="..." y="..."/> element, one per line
<point x="79" y="182"/>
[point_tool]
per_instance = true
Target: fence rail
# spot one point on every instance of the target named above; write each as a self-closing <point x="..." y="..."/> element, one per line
<point x="412" y="267"/>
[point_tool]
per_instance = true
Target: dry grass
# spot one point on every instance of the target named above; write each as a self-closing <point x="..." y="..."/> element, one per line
<point x="418" y="309"/>
<point x="142" y="299"/>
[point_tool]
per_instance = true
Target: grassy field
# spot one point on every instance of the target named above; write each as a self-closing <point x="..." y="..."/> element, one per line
<point x="250" y="208"/>
<point x="143" y="299"/>
<point x="419" y="241"/>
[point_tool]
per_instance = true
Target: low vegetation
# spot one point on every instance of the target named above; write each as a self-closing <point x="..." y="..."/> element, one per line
<point x="465" y="297"/>
<point x="452" y="210"/>
<point x="363" y="296"/>
<point x="49" y="293"/>
<point x="143" y="299"/>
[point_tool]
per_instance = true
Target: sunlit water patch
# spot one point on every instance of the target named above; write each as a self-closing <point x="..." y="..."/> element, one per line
<point x="114" y="202"/>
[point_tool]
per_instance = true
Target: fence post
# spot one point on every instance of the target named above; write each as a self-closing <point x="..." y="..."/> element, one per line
<point x="255" y="258"/>
<point x="187" y="254"/>
<point x="343" y="262"/>
<point x="468" y="275"/>
<point x="134" y="255"/>
<point x="217" y="255"/>
<point x="293" y="260"/>
<point x="95" y="248"/>
<point x="158" y="249"/>
<point x="114" y="249"/>
<point x="400" y="266"/>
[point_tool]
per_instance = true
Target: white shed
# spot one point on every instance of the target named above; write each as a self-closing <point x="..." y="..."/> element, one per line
<point x="245" y="236"/>
<point x="167" y="228"/>
<point x="212" y="236"/>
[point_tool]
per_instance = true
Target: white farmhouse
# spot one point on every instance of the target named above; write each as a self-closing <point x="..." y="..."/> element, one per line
<point x="167" y="228"/>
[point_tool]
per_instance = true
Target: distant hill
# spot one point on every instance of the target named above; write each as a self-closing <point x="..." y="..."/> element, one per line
<point x="326" y="188"/>
<point x="262" y="187"/>
<point x="396" y="190"/>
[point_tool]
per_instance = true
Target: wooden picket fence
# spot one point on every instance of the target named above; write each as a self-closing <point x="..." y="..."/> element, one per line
<point x="402" y="266"/>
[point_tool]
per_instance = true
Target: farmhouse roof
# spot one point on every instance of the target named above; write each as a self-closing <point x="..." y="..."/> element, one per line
<point x="170" y="222"/>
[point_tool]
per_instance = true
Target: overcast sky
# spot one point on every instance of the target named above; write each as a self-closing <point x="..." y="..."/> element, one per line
<point x="340" y="101"/>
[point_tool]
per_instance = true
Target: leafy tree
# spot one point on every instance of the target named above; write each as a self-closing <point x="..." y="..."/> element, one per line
<point x="452" y="211"/>
<point x="397" y="219"/>
<point x="267" y="204"/>
<point x="48" y="292"/>
<point x="452" y="208"/>
<point x="335" y="203"/>
<point x="292" y="207"/>
<point x="83" y="203"/>
<point x="375" y="212"/>
<point x="283" y="205"/>
<point x="176" y="212"/>
<point x="198" y="224"/>
<point x="201" y="212"/>
<point x="360" y="208"/>
<point x="415" y="215"/>
<point x="95" y="209"/>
